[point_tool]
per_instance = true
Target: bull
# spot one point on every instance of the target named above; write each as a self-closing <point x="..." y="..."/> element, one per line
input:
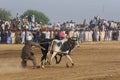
<point x="62" y="47"/>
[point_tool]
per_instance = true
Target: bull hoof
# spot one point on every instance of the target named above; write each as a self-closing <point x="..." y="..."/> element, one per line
<point x="42" y="67"/>
<point x="73" y="64"/>
<point x="57" y="62"/>
<point x="48" y="63"/>
<point x="67" y="65"/>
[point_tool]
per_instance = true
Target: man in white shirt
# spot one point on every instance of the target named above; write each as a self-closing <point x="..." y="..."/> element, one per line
<point x="47" y="35"/>
<point x="23" y="37"/>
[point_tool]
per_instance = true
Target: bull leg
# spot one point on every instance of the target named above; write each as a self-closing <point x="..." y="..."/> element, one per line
<point x="53" y="55"/>
<point x="57" y="62"/>
<point x="48" y="57"/>
<point x="41" y="63"/>
<point x="60" y="58"/>
<point x="67" y="62"/>
<point x="56" y="59"/>
<point x="47" y="61"/>
<point x="68" y="57"/>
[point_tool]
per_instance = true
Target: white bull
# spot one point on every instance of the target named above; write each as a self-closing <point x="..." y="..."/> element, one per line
<point x="62" y="47"/>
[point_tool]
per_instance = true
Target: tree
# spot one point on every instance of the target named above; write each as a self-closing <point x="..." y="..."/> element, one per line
<point x="5" y="14"/>
<point x="39" y="16"/>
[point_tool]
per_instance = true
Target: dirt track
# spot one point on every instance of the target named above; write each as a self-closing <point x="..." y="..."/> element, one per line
<point x="93" y="61"/>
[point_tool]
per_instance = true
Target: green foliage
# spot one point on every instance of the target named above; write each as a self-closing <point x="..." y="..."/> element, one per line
<point x="39" y="16"/>
<point x="5" y="14"/>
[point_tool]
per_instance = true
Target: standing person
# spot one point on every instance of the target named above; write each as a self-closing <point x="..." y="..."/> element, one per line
<point x="76" y="35"/>
<point x="70" y="34"/>
<point x="119" y="35"/>
<point x="97" y="35"/>
<point x="80" y="38"/>
<point x="56" y="34"/>
<point x="17" y="37"/>
<point x="47" y="35"/>
<point x="33" y="18"/>
<point x="109" y="35"/>
<point x="51" y="34"/>
<point x="17" y="17"/>
<point x="27" y="53"/>
<point x="90" y="35"/>
<point x="13" y="37"/>
<point x="86" y="35"/>
<point x="2" y="36"/>
<point x="38" y="34"/>
<point x="9" y="37"/>
<point x="102" y="35"/>
<point x="83" y="34"/>
<point x="23" y="37"/>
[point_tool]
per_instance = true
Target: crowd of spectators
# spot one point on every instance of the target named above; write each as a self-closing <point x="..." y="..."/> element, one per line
<point x="98" y="29"/>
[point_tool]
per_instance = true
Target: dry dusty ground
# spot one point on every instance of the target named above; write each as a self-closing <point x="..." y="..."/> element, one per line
<point x="93" y="61"/>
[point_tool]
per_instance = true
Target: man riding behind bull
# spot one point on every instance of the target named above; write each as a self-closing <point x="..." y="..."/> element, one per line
<point x="27" y="53"/>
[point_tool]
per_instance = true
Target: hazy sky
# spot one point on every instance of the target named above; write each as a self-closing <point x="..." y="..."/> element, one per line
<point x="63" y="10"/>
